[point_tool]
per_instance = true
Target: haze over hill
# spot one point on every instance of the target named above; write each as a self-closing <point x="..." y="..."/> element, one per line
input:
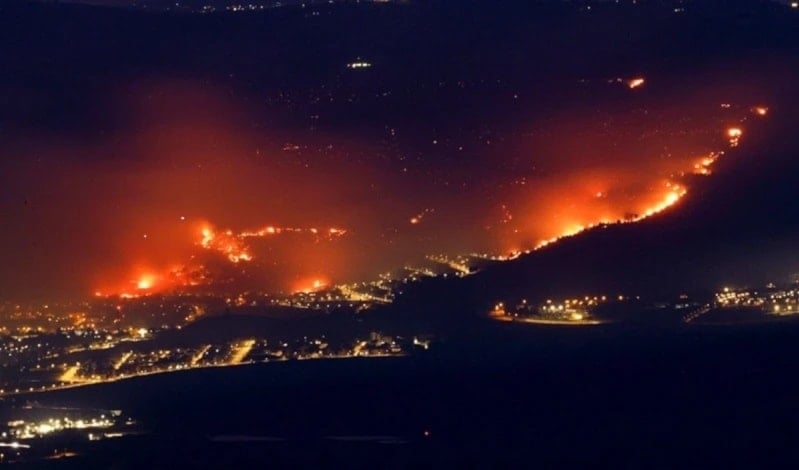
<point x="483" y="130"/>
<point x="737" y="228"/>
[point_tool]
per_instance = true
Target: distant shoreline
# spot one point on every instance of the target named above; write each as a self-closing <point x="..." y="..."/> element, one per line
<point x="188" y="369"/>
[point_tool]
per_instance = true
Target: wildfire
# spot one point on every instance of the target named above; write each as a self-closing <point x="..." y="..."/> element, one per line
<point x="233" y="245"/>
<point x="150" y="281"/>
<point x="307" y="286"/>
<point x="672" y="197"/>
<point x="226" y="243"/>
<point x="673" y="194"/>
<point x="331" y="232"/>
<point x="702" y="167"/>
<point x="588" y="194"/>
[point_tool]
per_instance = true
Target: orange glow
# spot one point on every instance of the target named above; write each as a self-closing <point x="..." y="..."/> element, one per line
<point x="226" y="243"/>
<point x="635" y="83"/>
<point x="760" y="110"/>
<point x="272" y="230"/>
<point x="572" y="174"/>
<point x="417" y="219"/>
<point x="231" y="245"/>
<point x="734" y="133"/>
<point x="145" y="282"/>
<point x="307" y="286"/>
<point x="702" y="167"/>
<point x="150" y="281"/>
<point x="208" y="237"/>
<point x="672" y="193"/>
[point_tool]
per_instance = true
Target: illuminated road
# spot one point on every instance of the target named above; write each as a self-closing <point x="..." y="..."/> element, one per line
<point x="543" y="321"/>
<point x="697" y="313"/>
<point x="122" y="360"/>
<point x="241" y="351"/>
<point x="461" y="268"/>
<point x="357" y="350"/>
<point x="198" y="357"/>
<point x="76" y="382"/>
<point x="70" y="375"/>
<point x="354" y="295"/>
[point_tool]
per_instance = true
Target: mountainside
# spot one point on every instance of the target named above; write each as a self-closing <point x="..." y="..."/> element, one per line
<point x="741" y="225"/>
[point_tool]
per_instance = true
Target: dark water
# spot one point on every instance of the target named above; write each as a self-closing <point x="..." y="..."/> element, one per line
<point x="509" y="395"/>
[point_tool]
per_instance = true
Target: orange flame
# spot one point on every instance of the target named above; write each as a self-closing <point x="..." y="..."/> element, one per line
<point x="636" y="83"/>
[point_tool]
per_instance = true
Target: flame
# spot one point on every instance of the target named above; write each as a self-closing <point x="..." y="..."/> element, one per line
<point x="309" y="285"/>
<point x="207" y="237"/>
<point x="332" y="232"/>
<point x="702" y="166"/>
<point x="226" y="243"/>
<point x="232" y="245"/>
<point x="145" y="282"/>
<point x="734" y="134"/>
<point x="151" y="281"/>
<point x="635" y="83"/>
<point x="672" y="195"/>
<point x="760" y="110"/>
<point x="591" y="187"/>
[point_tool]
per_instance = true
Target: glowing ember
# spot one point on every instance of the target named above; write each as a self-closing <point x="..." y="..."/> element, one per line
<point x="635" y="83"/>
<point x="702" y="167"/>
<point x="272" y="230"/>
<point x="734" y="133"/>
<point x="417" y="219"/>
